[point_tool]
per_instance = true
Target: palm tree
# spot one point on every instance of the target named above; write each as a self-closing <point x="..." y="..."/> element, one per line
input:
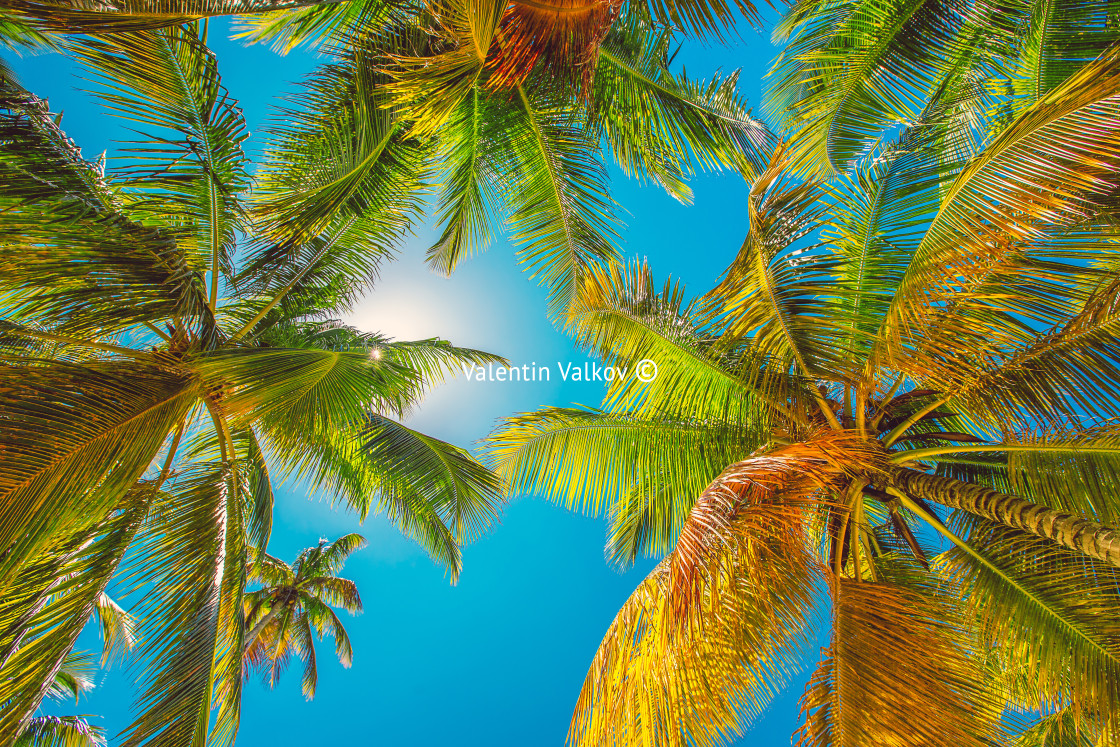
<point x="894" y="417"/>
<point x="294" y="605"/>
<point x="441" y="94"/>
<point x="73" y="679"/>
<point x="160" y="364"/>
<point x="852" y="70"/>
<point x="503" y="106"/>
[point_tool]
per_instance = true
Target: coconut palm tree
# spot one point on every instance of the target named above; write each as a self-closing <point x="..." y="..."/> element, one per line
<point x="505" y="135"/>
<point x="895" y="418"/>
<point x="503" y="106"/>
<point x="852" y="70"/>
<point x="73" y="679"/>
<point x="158" y="371"/>
<point x="294" y="604"/>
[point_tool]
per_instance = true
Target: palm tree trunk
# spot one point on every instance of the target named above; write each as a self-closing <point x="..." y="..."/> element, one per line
<point x="260" y="626"/>
<point x="1085" y="536"/>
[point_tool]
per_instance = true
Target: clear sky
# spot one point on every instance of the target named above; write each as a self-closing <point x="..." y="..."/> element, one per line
<point x="498" y="659"/>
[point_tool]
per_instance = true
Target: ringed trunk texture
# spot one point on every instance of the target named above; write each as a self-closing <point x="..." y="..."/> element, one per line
<point x="1085" y="536"/>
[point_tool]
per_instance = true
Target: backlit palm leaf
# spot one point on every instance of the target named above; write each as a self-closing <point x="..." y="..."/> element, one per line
<point x="191" y="182"/>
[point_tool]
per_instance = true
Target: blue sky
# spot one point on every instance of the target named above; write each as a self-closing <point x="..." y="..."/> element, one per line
<point x="498" y="659"/>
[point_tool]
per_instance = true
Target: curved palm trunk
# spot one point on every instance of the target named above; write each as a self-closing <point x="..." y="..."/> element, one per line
<point x="260" y="626"/>
<point x="1088" y="537"/>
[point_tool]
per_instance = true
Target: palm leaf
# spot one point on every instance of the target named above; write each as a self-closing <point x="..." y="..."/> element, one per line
<point x="658" y="123"/>
<point x="1041" y="603"/>
<point x="194" y="557"/>
<point x="553" y="183"/>
<point x="900" y="667"/>
<point x="193" y="178"/>
<point x="61" y="224"/>
<point x="76" y="438"/>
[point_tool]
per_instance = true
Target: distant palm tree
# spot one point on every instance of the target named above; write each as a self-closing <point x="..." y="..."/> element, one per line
<point x="920" y="355"/>
<point x="294" y="605"/>
<point x="160" y="359"/>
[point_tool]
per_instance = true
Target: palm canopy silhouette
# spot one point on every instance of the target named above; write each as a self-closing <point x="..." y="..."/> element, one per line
<point x="293" y="606"/>
<point x="161" y="363"/>
<point x="894" y="417"/>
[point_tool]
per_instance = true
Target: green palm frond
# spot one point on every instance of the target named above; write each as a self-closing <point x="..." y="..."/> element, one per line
<point x="61" y="731"/>
<point x="465" y="495"/>
<point x="75" y="676"/>
<point x="1053" y="171"/>
<point x="1047" y="377"/>
<point x="342" y="156"/>
<point x="852" y="70"/>
<point x="194" y="557"/>
<point x="706" y="19"/>
<point x="776" y="288"/>
<point x="1060" y="39"/>
<point x="334" y="555"/>
<point x="118" y="627"/>
<point x="61" y="471"/>
<point x="58" y="205"/>
<point x="51" y="598"/>
<point x="626" y="319"/>
<point x="1043" y="604"/>
<point x="427" y="89"/>
<point x="562" y="216"/>
<point x="657" y="123"/>
<point x="314" y="25"/>
<point x="189" y="173"/>
<point x="1066" y="728"/>
<point x="592" y="461"/>
<point x="117" y="16"/>
<point x="468" y="183"/>
<point x="855" y="68"/>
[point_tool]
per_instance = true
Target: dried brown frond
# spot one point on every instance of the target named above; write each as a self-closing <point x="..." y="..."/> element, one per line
<point x="790" y="480"/>
<point x="899" y="671"/>
<point x="563" y="34"/>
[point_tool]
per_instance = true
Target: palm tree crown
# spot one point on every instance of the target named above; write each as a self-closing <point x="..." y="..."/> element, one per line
<point x="294" y="604"/>
<point x="919" y="336"/>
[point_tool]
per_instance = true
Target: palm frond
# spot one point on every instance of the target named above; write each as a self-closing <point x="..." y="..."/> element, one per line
<point x="61" y="224"/>
<point x="1042" y="605"/>
<point x="900" y="667"/>
<point x="61" y="731"/>
<point x="54" y="594"/>
<point x="623" y="317"/>
<point x="117" y="16"/>
<point x="661" y="679"/>
<point x="658" y="123"/>
<point x="592" y="461"/>
<point x="1054" y="170"/>
<point x="552" y="181"/>
<point x="76" y="438"/>
<point x="193" y="558"/>
<point x="189" y="173"/>
<point x="118" y="628"/>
